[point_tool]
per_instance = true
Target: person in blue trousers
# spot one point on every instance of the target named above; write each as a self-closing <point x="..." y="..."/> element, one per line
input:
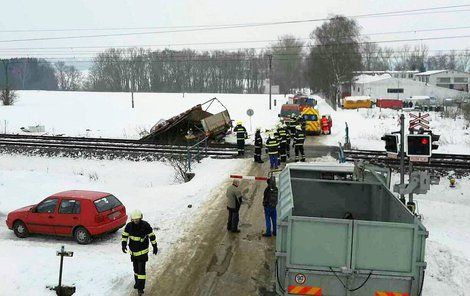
<point x="269" y="204"/>
<point x="272" y="148"/>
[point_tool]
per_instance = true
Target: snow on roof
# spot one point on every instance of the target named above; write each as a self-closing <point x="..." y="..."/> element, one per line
<point x="363" y="78"/>
<point x="419" y="97"/>
<point x="357" y="98"/>
<point x="430" y="72"/>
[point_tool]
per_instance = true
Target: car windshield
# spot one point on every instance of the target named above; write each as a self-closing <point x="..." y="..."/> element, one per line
<point x="106" y="203"/>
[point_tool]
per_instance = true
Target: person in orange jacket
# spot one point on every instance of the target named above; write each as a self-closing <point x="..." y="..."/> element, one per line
<point x="324" y="125"/>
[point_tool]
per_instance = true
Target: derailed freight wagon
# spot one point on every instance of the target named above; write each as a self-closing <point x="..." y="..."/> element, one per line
<point x="341" y="232"/>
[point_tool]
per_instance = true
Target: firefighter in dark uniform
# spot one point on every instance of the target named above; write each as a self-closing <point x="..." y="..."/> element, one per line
<point x="278" y="139"/>
<point x="291" y="124"/>
<point x="258" y="145"/>
<point x="301" y="121"/>
<point x="240" y="130"/>
<point x="299" y="140"/>
<point x="139" y="232"/>
<point x="272" y="148"/>
<point x="282" y="142"/>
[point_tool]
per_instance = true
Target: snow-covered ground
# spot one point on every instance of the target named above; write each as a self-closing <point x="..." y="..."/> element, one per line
<point x="26" y="180"/>
<point x="28" y="265"/>
<point x="98" y="114"/>
<point x="446" y="215"/>
<point x="94" y="114"/>
<point x="367" y="126"/>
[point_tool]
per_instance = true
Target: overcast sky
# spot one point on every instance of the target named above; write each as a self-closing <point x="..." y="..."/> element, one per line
<point x="99" y="14"/>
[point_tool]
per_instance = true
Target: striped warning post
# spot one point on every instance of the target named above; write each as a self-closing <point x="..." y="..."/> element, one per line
<point x="387" y="293"/>
<point x="256" y="178"/>
<point x="304" y="290"/>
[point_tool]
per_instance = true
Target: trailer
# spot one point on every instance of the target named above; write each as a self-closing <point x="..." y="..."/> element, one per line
<point x="192" y="125"/>
<point x="341" y="232"/>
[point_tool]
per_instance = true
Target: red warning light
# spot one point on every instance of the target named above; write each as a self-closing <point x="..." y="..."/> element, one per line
<point x="424" y="141"/>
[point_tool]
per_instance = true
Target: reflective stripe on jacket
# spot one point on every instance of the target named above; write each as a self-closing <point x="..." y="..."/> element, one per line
<point x="273" y="146"/>
<point x="241" y="132"/>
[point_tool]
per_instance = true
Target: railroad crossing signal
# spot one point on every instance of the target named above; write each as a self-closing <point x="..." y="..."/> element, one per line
<point x="418" y="146"/>
<point x="419" y="120"/>
<point x="391" y="143"/>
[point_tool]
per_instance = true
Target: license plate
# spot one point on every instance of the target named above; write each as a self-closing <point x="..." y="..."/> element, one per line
<point x="114" y="215"/>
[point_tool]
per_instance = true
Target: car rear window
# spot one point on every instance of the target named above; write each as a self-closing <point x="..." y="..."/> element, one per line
<point x="106" y="203"/>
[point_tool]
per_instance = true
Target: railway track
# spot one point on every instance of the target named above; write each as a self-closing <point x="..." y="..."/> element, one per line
<point x="438" y="161"/>
<point x="103" y="147"/>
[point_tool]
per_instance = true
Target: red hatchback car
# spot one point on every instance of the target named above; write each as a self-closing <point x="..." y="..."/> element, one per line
<point x="78" y="213"/>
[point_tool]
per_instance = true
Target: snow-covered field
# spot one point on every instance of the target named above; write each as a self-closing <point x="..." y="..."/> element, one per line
<point x="28" y="265"/>
<point x="95" y="114"/>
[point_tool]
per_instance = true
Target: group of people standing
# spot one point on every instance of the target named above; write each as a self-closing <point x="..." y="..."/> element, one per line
<point x="235" y="199"/>
<point x="279" y="142"/>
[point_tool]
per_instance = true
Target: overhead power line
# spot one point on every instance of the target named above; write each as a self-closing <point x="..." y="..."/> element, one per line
<point x="391" y="13"/>
<point x="286" y="47"/>
<point x="245" y="25"/>
<point x="219" y="42"/>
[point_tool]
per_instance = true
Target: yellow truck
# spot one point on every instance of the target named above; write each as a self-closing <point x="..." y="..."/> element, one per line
<point x="312" y="118"/>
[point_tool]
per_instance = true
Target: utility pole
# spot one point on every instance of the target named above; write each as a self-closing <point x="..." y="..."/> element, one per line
<point x="402" y="154"/>
<point x="270" y="56"/>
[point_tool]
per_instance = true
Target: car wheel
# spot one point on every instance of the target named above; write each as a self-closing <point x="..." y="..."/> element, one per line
<point x="20" y="229"/>
<point x="82" y="236"/>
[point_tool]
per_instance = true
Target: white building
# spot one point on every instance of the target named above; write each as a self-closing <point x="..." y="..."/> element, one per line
<point x="445" y="78"/>
<point x="386" y="86"/>
<point x="396" y="74"/>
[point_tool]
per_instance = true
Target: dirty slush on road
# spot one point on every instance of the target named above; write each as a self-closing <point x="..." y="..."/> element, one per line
<point x="211" y="261"/>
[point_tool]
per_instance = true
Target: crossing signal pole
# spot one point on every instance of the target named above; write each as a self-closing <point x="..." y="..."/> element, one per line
<point x="402" y="155"/>
<point x="270" y="57"/>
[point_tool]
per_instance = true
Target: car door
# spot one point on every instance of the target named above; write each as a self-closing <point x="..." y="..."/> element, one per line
<point x="68" y="216"/>
<point x="43" y="217"/>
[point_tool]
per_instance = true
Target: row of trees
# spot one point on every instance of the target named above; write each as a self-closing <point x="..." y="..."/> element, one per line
<point x="178" y="71"/>
<point x="335" y="50"/>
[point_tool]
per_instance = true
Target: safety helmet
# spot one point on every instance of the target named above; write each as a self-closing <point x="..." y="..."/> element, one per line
<point x="239" y="122"/>
<point x="136" y="214"/>
<point x="258" y="129"/>
<point x="298" y="127"/>
<point x="284" y="125"/>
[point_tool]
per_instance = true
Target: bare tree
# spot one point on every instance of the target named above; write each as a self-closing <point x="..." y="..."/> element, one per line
<point x="287" y="63"/>
<point x="334" y="56"/>
<point x="68" y="77"/>
<point x="180" y="165"/>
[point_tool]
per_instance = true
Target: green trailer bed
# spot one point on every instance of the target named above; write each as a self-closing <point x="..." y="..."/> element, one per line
<point x="343" y="233"/>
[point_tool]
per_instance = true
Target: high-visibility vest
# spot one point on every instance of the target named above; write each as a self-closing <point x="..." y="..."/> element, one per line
<point x="273" y="146"/>
<point x="299" y="138"/>
<point x="241" y="132"/>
